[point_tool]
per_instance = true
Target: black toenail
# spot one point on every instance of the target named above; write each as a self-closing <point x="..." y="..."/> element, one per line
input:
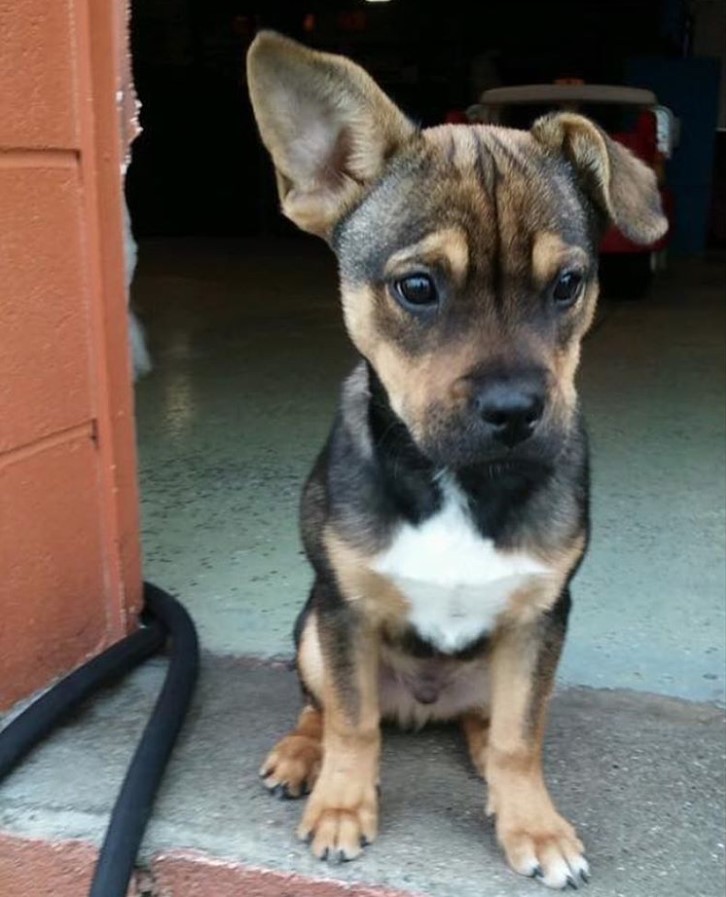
<point x="537" y="872"/>
<point x="584" y="876"/>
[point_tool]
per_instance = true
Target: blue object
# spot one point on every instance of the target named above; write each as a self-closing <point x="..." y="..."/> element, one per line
<point x="689" y="87"/>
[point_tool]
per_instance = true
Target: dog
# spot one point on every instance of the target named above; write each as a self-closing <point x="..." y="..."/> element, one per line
<point x="448" y="511"/>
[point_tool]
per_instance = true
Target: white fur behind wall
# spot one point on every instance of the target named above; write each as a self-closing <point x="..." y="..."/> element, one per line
<point x="140" y="359"/>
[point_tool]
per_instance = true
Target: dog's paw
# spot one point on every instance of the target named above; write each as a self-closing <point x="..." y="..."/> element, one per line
<point x="547" y="850"/>
<point x="339" y="823"/>
<point x="292" y="766"/>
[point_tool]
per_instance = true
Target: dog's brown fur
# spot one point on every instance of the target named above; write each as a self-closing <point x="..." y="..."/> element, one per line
<point x="497" y="215"/>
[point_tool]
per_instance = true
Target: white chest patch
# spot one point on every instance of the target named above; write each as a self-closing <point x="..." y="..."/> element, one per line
<point x="455" y="581"/>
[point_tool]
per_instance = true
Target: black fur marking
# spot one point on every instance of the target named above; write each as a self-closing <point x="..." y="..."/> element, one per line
<point x="485" y="166"/>
<point x="366" y="494"/>
<point x="552" y="630"/>
<point x="503" y="151"/>
<point x="498" y="494"/>
<point x="406" y="475"/>
<point x="497" y="273"/>
<point x="338" y="631"/>
<point x="411" y="643"/>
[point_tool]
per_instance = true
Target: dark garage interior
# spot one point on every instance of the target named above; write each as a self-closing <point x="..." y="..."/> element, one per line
<point x="198" y="168"/>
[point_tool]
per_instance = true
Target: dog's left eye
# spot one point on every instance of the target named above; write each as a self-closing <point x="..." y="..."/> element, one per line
<point x="417" y="291"/>
<point x="567" y="288"/>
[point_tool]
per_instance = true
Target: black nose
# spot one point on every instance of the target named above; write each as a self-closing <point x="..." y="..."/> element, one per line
<point x="511" y="408"/>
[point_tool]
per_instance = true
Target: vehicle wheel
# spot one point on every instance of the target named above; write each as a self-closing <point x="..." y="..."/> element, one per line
<point x="626" y="276"/>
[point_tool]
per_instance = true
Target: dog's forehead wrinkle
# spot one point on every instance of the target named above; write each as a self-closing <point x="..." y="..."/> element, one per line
<point x="492" y="184"/>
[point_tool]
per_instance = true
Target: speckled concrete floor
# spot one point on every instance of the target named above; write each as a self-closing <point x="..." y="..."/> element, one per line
<point x="640" y="776"/>
<point x="249" y="350"/>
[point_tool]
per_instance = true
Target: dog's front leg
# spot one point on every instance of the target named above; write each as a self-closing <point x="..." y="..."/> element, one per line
<point x="341" y="815"/>
<point x="537" y="841"/>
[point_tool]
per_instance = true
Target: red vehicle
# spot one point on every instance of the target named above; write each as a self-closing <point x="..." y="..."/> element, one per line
<point x="626" y="268"/>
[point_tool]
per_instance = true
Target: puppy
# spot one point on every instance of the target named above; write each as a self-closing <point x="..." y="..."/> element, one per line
<point x="448" y="511"/>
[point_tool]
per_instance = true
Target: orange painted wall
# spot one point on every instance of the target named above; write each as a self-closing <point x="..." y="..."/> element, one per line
<point x="70" y="578"/>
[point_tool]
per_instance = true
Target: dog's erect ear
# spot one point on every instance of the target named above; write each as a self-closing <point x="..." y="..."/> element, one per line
<point x="622" y="186"/>
<point x="328" y="127"/>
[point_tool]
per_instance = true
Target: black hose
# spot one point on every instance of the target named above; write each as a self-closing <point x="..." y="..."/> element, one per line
<point x="129" y="817"/>
<point x="37" y="720"/>
<point x="133" y="806"/>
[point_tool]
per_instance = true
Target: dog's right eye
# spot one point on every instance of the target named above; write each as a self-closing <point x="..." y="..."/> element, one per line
<point x="567" y="288"/>
<point x="416" y="292"/>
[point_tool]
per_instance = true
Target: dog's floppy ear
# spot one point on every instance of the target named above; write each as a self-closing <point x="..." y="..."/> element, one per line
<point x="328" y="127"/>
<point x="623" y="187"/>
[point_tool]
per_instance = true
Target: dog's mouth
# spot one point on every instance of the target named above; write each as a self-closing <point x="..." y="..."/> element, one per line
<point x="496" y="469"/>
<point x="491" y="462"/>
<point x="500" y="468"/>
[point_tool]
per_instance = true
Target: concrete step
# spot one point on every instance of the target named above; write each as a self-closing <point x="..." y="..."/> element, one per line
<point x="641" y="776"/>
